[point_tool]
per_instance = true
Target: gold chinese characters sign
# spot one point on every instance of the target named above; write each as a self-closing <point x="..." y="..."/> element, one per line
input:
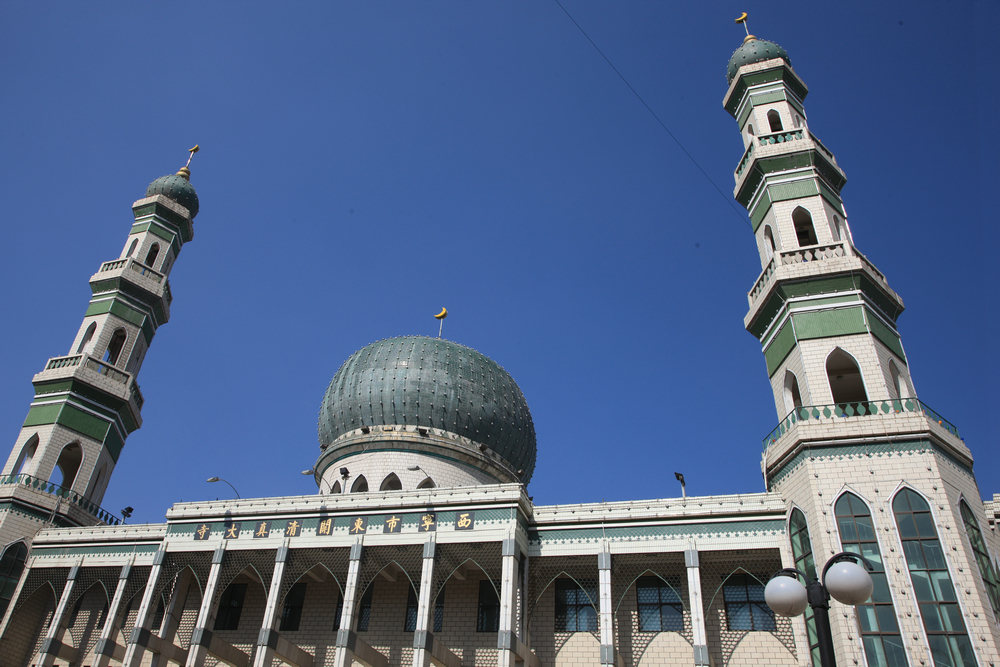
<point x="324" y="526"/>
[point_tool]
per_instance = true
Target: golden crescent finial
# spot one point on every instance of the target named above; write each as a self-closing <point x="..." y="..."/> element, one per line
<point x="742" y="18"/>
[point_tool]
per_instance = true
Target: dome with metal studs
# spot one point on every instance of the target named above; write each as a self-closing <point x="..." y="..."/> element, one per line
<point x="178" y="188"/>
<point x="752" y="51"/>
<point x="434" y="383"/>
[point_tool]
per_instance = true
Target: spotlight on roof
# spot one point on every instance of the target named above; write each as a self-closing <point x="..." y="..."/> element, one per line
<point x="344" y="473"/>
<point x="520" y="472"/>
<point x="127" y="512"/>
<point x="483" y="448"/>
<point x="413" y="468"/>
<point x="212" y="479"/>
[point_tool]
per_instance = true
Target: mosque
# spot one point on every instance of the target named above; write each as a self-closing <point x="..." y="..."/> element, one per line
<point x="422" y="546"/>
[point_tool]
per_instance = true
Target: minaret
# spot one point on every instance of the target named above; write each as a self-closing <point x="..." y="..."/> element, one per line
<point x="863" y="464"/>
<point x="88" y="401"/>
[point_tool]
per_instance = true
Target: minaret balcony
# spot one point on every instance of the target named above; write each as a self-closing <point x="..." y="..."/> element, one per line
<point x="98" y="374"/>
<point x="861" y="422"/>
<point x="809" y="261"/>
<point x="144" y="283"/>
<point x="770" y="153"/>
<point x="69" y="505"/>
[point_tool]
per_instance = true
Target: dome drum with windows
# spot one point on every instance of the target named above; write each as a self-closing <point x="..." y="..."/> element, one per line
<point x="416" y="411"/>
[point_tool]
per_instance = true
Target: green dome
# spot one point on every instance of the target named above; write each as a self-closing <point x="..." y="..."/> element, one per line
<point x="754" y="51"/>
<point x="421" y="381"/>
<point x="177" y="188"/>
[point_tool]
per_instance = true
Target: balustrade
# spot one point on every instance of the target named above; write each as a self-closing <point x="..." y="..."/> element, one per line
<point x="813" y="253"/>
<point x="144" y="270"/>
<point x="69" y="495"/>
<point x="780" y="137"/>
<point x="859" y="409"/>
<point x="763" y="280"/>
<point x="106" y="370"/>
<point x="745" y="160"/>
<point x="63" y="362"/>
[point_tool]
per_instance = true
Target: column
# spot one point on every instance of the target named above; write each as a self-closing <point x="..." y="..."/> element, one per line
<point x="140" y="633"/>
<point x="267" y="640"/>
<point x="52" y="642"/>
<point x="697" y="608"/>
<point x="201" y="636"/>
<point x="507" y="640"/>
<point x="105" y="648"/>
<point x="423" y="640"/>
<point x="345" y="636"/>
<point x="607" y="608"/>
<point x="172" y="613"/>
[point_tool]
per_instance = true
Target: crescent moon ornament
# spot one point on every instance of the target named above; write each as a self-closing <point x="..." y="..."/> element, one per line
<point x="742" y="18"/>
<point x="443" y="314"/>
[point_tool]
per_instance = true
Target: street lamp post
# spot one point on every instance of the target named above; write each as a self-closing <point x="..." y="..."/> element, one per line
<point x="842" y="577"/>
<point x="219" y="479"/>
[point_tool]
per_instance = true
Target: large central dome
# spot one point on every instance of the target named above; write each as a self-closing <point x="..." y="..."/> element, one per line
<point x="431" y="383"/>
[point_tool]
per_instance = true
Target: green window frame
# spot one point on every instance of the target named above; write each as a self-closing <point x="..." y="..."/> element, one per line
<point x="986" y="569"/>
<point x="880" y="633"/>
<point x="932" y="585"/>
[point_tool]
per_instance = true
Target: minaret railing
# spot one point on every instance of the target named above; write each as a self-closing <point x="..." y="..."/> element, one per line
<point x="857" y="409"/>
<point x="781" y="137"/>
<point x="72" y="497"/>
<point x="136" y="266"/>
<point x="813" y="253"/>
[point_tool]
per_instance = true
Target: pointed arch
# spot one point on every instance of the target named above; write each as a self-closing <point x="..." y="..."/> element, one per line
<point x="360" y="485"/>
<point x="131" y="247"/>
<point x="769" y="245"/>
<point x="154" y="251"/>
<point x="648" y="574"/>
<point x="847" y="384"/>
<point x="805" y="231"/>
<point x="115" y="346"/>
<point x="900" y="388"/>
<point x="391" y="483"/>
<point x="428" y="483"/>
<point x="790" y="392"/>
<point x="335" y="489"/>
<point x="927" y="564"/>
<point x="774" y="120"/>
<point x="30" y="615"/>
<point x="68" y="465"/>
<point x="25" y="458"/>
<point x="877" y="618"/>
<point x="987" y="572"/>
<point x="743" y="600"/>
<point x="87" y="337"/>
<point x="11" y="567"/>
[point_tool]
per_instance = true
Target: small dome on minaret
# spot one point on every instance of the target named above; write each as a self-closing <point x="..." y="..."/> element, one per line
<point x="752" y="51"/>
<point x="177" y="187"/>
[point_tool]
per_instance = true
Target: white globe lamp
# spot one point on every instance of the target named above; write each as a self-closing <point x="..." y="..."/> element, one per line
<point x="849" y="583"/>
<point x="786" y="596"/>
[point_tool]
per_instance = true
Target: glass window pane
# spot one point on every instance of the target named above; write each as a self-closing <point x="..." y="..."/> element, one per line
<point x="940" y="650"/>
<point x="951" y="615"/>
<point x="943" y="589"/>
<point x="866" y="616"/>
<point x="847" y="531"/>
<point x="672" y="618"/>
<point x="739" y="616"/>
<point x="866" y="532"/>
<point x="962" y="649"/>
<point x="874" y="652"/>
<point x="763" y="618"/>
<point x="649" y="619"/>
<point x="880" y="592"/>
<point x="894" y="652"/>
<point x="922" y="586"/>
<point x="886" y="618"/>
<point x="914" y="555"/>
<point x="755" y="591"/>
<point x="870" y="551"/>
<point x="925" y="525"/>
<point x="843" y="505"/>
<point x="648" y="595"/>
<point x="907" y="528"/>
<point x="733" y="593"/>
<point x="932" y="617"/>
<point x="932" y="552"/>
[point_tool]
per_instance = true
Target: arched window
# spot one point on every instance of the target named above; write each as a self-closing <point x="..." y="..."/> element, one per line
<point x="805" y="233"/>
<point x="793" y="399"/>
<point x="27" y="455"/>
<point x="798" y="532"/>
<point x="11" y="567"/>
<point x="835" y="228"/>
<point x="391" y="483"/>
<point x="986" y="570"/>
<point x="769" y="246"/>
<point x="131" y="247"/>
<point x="750" y="129"/>
<point x="336" y="488"/>
<point x="660" y="606"/>
<point x="774" y="120"/>
<point x="87" y="337"/>
<point x="797" y="120"/>
<point x="745" y="606"/>
<point x="898" y="381"/>
<point x="151" y="255"/>
<point x="428" y="483"/>
<point x="360" y="485"/>
<point x="846" y="383"/>
<point x="932" y="586"/>
<point x="68" y="465"/>
<point x="879" y="630"/>
<point x="114" y="350"/>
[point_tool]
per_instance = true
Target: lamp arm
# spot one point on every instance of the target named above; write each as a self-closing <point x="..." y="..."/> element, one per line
<point x="233" y="488"/>
<point x="790" y="571"/>
<point x="846" y="555"/>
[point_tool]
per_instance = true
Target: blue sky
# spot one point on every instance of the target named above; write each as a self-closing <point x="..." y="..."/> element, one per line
<point x="364" y="164"/>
